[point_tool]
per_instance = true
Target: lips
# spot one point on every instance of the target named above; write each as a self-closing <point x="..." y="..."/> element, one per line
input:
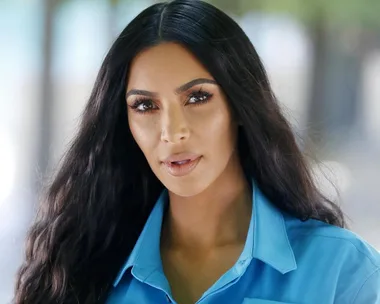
<point x="181" y="158"/>
<point x="181" y="164"/>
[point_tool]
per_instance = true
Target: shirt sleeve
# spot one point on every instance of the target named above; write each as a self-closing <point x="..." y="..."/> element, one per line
<point x="369" y="292"/>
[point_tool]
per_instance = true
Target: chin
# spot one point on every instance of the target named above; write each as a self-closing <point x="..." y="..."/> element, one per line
<point x="186" y="187"/>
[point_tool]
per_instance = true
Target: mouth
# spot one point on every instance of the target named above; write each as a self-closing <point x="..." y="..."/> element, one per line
<point x="181" y="165"/>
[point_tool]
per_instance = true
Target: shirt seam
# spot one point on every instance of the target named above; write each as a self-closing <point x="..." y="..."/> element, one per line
<point x="365" y="281"/>
<point x="348" y="241"/>
<point x="150" y="274"/>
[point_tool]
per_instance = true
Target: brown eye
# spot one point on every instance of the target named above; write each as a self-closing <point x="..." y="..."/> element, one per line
<point x="143" y="106"/>
<point x="198" y="97"/>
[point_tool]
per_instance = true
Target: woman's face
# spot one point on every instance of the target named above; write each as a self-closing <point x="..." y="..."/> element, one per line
<point x="180" y="119"/>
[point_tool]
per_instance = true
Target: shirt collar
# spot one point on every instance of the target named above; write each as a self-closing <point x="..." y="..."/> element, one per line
<point x="271" y="242"/>
<point x="146" y="253"/>
<point x="267" y="239"/>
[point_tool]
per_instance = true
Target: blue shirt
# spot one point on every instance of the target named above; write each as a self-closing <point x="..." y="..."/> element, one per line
<point x="284" y="260"/>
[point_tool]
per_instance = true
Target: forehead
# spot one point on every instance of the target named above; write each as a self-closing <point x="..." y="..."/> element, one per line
<point x="166" y="65"/>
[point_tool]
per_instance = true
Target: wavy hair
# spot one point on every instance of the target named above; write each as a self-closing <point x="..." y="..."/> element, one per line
<point x="103" y="191"/>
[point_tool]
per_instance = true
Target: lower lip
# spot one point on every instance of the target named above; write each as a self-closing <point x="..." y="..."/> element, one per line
<point x="181" y="170"/>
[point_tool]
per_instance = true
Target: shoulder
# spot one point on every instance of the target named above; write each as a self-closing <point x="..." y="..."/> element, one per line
<point x="339" y="240"/>
<point x="341" y="255"/>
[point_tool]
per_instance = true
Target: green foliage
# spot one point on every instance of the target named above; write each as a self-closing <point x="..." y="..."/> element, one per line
<point x="364" y="12"/>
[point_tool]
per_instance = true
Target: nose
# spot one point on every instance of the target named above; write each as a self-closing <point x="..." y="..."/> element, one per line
<point x="174" y="127"/>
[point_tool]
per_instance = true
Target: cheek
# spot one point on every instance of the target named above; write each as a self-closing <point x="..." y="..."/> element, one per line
<point x="144" y="131"/>
<point x="216" y="129"/>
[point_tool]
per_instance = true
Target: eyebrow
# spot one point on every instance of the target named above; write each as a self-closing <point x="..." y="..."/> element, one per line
<point x="178" y="90"/>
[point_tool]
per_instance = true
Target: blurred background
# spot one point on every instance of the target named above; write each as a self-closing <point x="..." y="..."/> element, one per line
<point x="322" y="56"/>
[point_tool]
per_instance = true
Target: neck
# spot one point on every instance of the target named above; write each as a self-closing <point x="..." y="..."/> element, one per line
<point x="218" y="216"/>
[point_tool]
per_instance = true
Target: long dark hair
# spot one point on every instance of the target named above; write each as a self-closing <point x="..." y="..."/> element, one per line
<point x="104" y="190"/>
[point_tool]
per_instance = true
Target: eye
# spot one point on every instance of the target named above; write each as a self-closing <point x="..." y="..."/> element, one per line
<point x="198" y="97"/>
<point x="143" y="105"/>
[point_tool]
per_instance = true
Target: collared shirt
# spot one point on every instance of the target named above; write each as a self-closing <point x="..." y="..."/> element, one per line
<point x="284" y="260"/>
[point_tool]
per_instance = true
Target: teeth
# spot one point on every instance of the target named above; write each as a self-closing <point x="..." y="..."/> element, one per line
<point x="181" y="162"/>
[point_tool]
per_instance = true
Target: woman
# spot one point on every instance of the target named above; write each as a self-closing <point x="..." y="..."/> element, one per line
<point x="185" y="184"/>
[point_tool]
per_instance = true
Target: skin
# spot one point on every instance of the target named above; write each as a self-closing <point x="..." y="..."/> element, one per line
<point x="205" y="228"/>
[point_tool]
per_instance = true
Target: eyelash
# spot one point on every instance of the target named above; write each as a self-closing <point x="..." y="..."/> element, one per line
<point x="197" y="94"/>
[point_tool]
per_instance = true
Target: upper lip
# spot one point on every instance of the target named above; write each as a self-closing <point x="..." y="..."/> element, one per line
<point x="177" y="157"/>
